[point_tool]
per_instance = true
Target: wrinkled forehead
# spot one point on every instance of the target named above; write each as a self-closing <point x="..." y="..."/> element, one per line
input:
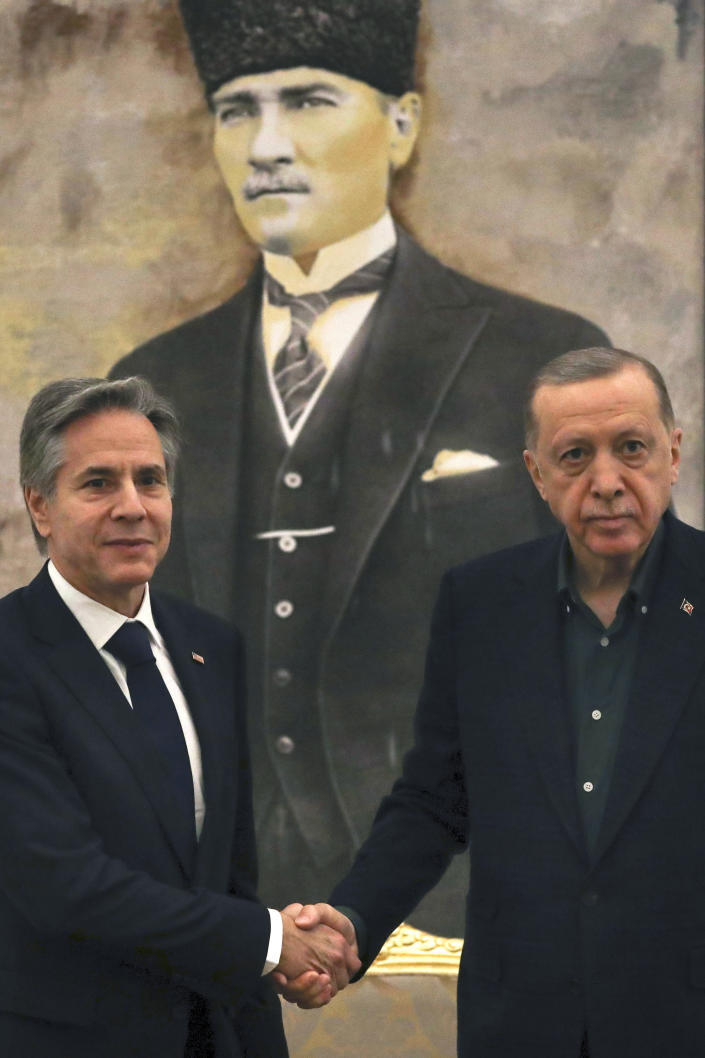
<point x="114" y="433"/>
<point x="628" y="393"/>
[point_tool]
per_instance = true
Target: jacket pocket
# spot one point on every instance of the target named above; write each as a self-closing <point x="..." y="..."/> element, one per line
<point x="463" y="489"/>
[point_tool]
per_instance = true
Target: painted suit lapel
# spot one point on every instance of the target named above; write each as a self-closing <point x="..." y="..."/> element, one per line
<point x="70" y="654"/>
<point x="211" y="463"/>
<point x="422" y="333"/>
<point x="671" y="656"/>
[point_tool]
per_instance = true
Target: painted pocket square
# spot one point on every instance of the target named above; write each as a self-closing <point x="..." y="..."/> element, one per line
<point x="448" y="463"/>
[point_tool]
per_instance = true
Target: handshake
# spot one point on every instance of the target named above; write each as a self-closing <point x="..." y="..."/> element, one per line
<point x="319" y="954"/>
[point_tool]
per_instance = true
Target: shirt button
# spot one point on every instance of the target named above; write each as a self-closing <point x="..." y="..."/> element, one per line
<point x="293" y="480"/>
<point x="644" y="609"/>
<point x="285" y="745"/>
<point x="596" y="714"/>
<point x="604" y="642"/>
<point x="284" y="608"/>
<point x="282" y="677"/>
<point x="287" y="543"/>
<point x="588" y="787"/>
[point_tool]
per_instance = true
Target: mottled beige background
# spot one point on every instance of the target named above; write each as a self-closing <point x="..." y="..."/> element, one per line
<point x="380" y="1017"/>
<point x="561" y="157"/>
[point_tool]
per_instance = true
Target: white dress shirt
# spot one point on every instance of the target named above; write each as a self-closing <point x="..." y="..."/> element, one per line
<point x="335" y="328"/>
<point x="99" y="623"/>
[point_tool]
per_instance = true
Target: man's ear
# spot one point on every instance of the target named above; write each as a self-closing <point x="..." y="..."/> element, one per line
<point x="676" y="438"/>
<point x="38" y="511"/>
<point x="534" y="472"/>
<point x="405" y="116"/>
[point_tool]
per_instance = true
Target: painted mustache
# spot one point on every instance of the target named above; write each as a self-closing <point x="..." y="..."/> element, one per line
<point x="272" y="184"/>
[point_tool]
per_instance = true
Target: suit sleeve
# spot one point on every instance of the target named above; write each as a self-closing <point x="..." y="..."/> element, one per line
<point x="56" y="873"/>
<point x="423" y="822"/>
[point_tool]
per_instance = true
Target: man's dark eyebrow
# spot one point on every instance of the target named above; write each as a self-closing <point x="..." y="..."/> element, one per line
<point x="97" y="472"/>
<point x="233" y="97"/>
<point x="151" y="468"/>
<point x="288" y="94"/>
<point x="294" y="93"/>
<point x="106" y="472"/>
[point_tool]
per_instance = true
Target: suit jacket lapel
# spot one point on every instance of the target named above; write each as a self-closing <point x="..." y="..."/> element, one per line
<point x="71" y="655"/>
<point x="671" y="656"/>
<point x="536" y="686"/>
<point x="211" y="460"/>
<point x="193" y="678"/>
<point x="421" y="335"/>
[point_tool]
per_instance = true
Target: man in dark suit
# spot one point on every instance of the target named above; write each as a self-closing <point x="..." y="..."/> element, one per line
<point x="562" y="724"/>
<point x="343" y="449"/>
<point x="129" y="925"/>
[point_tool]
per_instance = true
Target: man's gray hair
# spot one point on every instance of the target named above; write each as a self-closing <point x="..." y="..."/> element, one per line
<point x="58" y="404"/>
<point x="581" y="365"/>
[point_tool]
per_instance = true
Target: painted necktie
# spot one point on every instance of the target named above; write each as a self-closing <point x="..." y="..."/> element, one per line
<point x="298" y="369"/>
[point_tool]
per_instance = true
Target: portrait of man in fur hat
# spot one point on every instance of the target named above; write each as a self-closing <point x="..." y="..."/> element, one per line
<point x="351" y="421"/>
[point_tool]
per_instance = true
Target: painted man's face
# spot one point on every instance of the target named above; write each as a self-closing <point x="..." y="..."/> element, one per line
<point x="308" y="154"/>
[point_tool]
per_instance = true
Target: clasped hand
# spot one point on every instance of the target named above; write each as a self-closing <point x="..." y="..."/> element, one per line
<point x="319" y="954"/>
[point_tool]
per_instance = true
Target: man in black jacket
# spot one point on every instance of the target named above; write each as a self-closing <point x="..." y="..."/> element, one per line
<point x="129" y="923"/>
<point x="562" y="724"/>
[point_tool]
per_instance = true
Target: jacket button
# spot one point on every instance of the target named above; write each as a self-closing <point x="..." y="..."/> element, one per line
<point x="284" y="608"/>
<point x="293" y="480"/>
<point x="285" y="745"/>
<point x="287" y="543"/>
<point x="590" y="898"/>
<point x="282" y="677"/>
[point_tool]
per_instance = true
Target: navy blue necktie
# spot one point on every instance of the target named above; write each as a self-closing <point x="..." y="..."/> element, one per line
<point x="155" y="710"/>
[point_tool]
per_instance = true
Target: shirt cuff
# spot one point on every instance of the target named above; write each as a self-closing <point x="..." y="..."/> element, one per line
<point x="276" y="936"/>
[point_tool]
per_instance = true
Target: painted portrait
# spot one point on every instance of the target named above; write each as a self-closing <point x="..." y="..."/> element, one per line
<point x="341" y="237"/>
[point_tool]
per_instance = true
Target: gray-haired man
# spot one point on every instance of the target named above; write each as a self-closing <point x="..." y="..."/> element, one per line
<point x="128" y="918"/>
<point x="562" y="723"/>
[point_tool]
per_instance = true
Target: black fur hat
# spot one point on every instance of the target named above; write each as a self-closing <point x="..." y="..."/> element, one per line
<point x="369" y="40"/>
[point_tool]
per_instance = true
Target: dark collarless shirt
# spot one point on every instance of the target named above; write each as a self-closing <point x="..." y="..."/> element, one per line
<point x="598" y="665"/>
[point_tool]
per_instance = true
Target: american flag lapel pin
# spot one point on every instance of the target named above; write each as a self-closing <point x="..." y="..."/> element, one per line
<point x="197" y="657"/>
<point x="687" y="607"/>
